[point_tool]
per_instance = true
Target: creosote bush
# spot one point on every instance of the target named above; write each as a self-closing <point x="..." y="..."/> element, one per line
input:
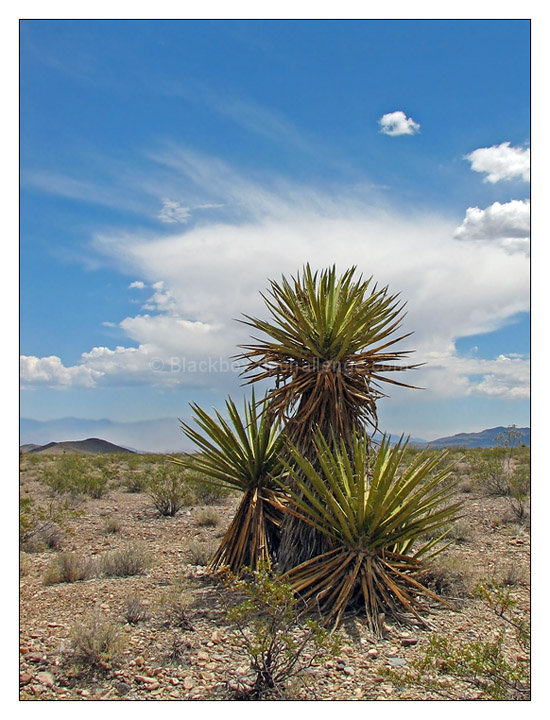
<point x="482" y="665"/>
<point x="168" y="491"/>
<point x="270" y="634"/>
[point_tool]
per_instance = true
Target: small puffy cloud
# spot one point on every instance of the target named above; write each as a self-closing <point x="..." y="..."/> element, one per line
<point x="397" y="123"/>
<point x="506" y="225"/>
<point x="137" y="284"/>
<point x="501" y="162"/>
<point x="174" y="212"/>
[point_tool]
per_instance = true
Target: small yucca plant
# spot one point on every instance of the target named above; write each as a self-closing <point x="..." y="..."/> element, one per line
<point x="242" y="455"/>
<point x="375" y="516"/>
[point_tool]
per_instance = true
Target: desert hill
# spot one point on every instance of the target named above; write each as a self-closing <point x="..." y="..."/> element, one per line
<point x="91" y="446"/>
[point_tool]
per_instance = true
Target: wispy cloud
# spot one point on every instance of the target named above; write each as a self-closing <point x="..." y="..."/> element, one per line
<point x="137" y="284"/>
<point x="206" y="276"/>
<point x="397" y="123"/>
<point x="501" y="162"/>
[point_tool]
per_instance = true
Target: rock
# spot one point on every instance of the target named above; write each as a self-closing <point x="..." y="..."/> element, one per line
<point x="122" y="688"/>
<point x="188" y="682"/>
<point x="408" y="641"/>
<point x="145" y="679"/>
<point x="34" y="657"/>
<point x="45" y="678"/>
<point x="348" y="670"/>
<point x="372" y="653"/>
<point x="397" y="661"/>
<point x="24" y="678"/>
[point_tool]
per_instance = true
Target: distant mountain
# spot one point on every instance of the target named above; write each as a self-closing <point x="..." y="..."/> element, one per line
<point x="162" y="435"/>
<point x="483" y="439"/>
<point x="92" y="446"/>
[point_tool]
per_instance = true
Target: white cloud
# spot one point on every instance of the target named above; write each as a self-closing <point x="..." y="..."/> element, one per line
<point x="174" y="212"/>
<point x="50" y="372"/>
<point x="137" y="284"/>
<point x="205" y="277"/>
<point x="397" y="123"/>
<point x="505" y="225"/>
<point x="501" y="162"/>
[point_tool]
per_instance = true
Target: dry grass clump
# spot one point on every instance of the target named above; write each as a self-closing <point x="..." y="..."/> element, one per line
<point x="131" y="560"/>
<point x="208" y="518"/>
<point x="69" y="568"/>
<point x="96" y="643"/>
<point x="447" y="578"/>
<point x="112" y="525"/>
<point x="200" y="553"/>
<point x="135" y="610"/>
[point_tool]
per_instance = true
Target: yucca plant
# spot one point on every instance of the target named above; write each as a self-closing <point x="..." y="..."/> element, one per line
<point x="242" y="454"/>
<point x="375" y="515"/>
<point x="328" y="347"/>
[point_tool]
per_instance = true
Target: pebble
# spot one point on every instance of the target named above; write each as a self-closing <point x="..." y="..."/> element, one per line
<point x="25" y="678"/>
<point x="408" y="641"/>
<point x="145" y="679"/>
<point x="188" y="683"/>
<point x="45" y="678"/>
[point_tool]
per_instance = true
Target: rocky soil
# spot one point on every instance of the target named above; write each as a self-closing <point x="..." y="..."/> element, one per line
<point x="165" y="661"/>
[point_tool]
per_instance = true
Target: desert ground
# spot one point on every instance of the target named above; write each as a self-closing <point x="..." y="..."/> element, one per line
<point x="145" y="581"/>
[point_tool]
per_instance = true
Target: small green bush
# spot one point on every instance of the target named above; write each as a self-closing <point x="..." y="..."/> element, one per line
<point x="168" y="491"/>
<point x="271" y="636"/>
<point x="483" y="665"/>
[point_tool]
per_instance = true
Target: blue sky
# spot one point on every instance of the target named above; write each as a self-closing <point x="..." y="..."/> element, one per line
<point x="169" y="168"/>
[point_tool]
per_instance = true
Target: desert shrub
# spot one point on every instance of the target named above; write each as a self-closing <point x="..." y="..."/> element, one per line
<point x="168" y="491"/>
<point x="135" y="610"/>
<point x="69" y="568"/>
<point x="42" y="526"/>
<point x="513" y="575"/>
<point x="131" y="560"/>
<point x="72" y="474"/>
<point x="96" y="643"/>
<point x="447" y="578"/>
<point x="200" y="553"/>
<point x="481" y="664"/>
<point x="135" y="482"/>
<point x="112" y="525"/>
<point x="24" y="564"/>
<point x="207" y="518"/>
<point x="269" y="634"/>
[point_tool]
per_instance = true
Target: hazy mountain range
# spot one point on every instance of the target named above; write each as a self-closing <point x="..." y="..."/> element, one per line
<point x="164" y="434"/>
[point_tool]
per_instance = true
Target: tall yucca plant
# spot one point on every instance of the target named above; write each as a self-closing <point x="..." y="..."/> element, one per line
<point x="375" y="515"/>
<point x="328" y="347"/>
<point x="242" y="455"/>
